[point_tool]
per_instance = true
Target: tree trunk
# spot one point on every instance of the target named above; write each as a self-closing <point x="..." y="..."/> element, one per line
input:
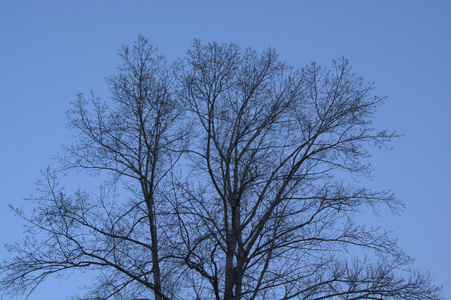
<point x="154" y="247"/>
<point x="233" y="277"/>
<point x="230" y="275"/>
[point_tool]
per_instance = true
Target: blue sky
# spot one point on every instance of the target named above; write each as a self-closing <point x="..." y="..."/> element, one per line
<point x="51" y="50"/>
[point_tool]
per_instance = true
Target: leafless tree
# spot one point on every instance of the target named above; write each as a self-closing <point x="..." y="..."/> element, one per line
<point x="273" y="210"/>
<point x="264" y="205"/>
<point x="136" y="139"/>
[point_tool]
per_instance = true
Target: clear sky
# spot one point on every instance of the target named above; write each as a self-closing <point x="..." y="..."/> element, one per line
<point x="51" y="50"/>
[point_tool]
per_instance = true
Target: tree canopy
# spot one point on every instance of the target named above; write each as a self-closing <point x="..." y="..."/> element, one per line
<point x="235" y="173"/>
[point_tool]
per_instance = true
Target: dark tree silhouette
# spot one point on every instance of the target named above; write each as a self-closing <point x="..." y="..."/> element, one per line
<point x="238" y="171"/>
<point x="136" y="139"/>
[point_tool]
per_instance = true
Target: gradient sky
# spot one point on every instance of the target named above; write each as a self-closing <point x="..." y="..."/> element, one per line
<point x="51" y="50"/>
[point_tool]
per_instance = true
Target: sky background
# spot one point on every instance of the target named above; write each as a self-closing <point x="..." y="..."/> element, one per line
<point x="52" y="50"/>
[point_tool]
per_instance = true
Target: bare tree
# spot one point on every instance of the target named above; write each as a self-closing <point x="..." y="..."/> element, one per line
<point x="263" y="206"/>
<point x="136" y="139"/>
<point x="274" y="212"/>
